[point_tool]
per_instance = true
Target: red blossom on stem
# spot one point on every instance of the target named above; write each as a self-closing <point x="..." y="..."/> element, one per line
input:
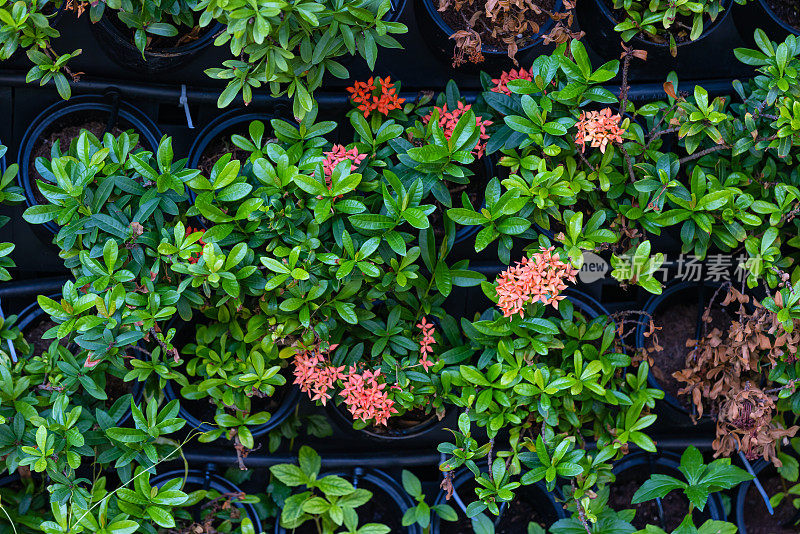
<point x="189" y="231"/>
<point x="501" y="84"/>
<point x="539" y="279"/>
<point x="425" y="347"/>
<point x="449" y="119"/>
<point x="337" y="155"/>
<point x="376" y="94"/>
<point x="598" y="128"/>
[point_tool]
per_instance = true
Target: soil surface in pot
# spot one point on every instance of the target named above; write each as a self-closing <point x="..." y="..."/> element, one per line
<point x="63" y="131"/>
<point x="786" y="10"/>
<point x="756" y="517"/>
<point x="159" y="43"/>
<point x="381" y="508"/>
<point x="459" y="19"/>
<point x="680" y="28"/>
<point x="678" y="324"/>
<point x="514" y="520"/>
<point x="207" y="515"/>
<point x="34" y="332"/>
<point x="397" y="425"/>
<point x="675" y="504"/>
<point x="221" y="145"/>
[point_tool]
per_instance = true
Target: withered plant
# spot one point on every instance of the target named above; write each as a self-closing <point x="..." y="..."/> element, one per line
<point x="727" y="375"/>
<point x="512" y="22"/>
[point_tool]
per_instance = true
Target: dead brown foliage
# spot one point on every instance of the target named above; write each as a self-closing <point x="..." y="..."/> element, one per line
<point x="509" y="21"/>
<point x="726" y="377"/>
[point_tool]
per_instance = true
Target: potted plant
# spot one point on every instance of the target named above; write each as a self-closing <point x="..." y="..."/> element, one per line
<point x="464" y="33"/>
<point x="150" y="37"/>
<point x="331" y="501"/>
<point x="776" y="19"/>
<point x="326" y="30"/>
<point x="27" y="25"/>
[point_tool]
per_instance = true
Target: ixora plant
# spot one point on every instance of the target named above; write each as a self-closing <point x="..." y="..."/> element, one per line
<point x="290" y="46"/>
<point x="553" y="381"/>
<point x="666" y="21"/>
<point x="9" y="194"/>
<point x="26" y="25"/>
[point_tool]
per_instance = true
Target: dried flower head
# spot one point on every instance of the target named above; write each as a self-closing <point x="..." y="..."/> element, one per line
<point x="449" y="119"/>
<point x="501" y="84"/>
<point x="376" y="94"/>
<point x="539" y="279"/>
<point x="598" y="128"/>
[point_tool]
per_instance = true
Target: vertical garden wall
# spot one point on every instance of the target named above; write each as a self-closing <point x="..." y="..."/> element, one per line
<point x="422" y="266"/>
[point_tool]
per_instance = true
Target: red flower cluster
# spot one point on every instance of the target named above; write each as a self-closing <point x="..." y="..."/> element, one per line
<point x="189" y="231"/>
<point x="501" y="84"/>
<point x="598" y="128"/>
<point x="364" y="395"/>
<point x="425" y="344"/>
<point x="538" y="279"/>
<point x="376" y="94"/>
<point x="449" y="119"/>
<point x="337" y="155"/>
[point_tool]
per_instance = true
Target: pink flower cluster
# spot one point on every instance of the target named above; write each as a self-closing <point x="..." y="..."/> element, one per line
<point x="365" y="396"/>
<point x="425" y="347"/>
<point x="501" y="84"/>
<point x="598" y="128"/>
<point x="337" y="155"/>
<point x="538" y="279"/>
<point x="449" y="119"/>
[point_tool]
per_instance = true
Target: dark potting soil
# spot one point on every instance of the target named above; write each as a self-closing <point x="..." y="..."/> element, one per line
<point x="675" y="504"/>
<point x="34" y="333"/>
<point x="399" y="425"/>
<point x="756" y="517"/>
<point x="514" y="519"/>
<point x="459" y="20"/>
<point x="63" y="131"/>
<point x="162" y="44"/>
<point x="680" y="28"/>
<point x="221" y="145"/>
<point x="787" y="10"/>
<point x="678" y="325"/>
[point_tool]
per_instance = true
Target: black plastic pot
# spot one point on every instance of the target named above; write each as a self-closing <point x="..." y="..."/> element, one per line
<point x="376" y="480"/>
<point x="757" y="14"/>
<point x="742" y="504"/>
<point x="437" y="32"/>
<point x="700" y="292"/>
<point x="343" y="419"/>
<point x="33" y="312"/>
<point x="224" y="124"/>
<point x="119" y="46"/>
<point x="665" y="463"/>
<point x="196" y="479"/>
<point x="119" y="113"/>
<point x="545" y="500"/>
<point x="598" y="20"/>
<point x="285" y="410"/>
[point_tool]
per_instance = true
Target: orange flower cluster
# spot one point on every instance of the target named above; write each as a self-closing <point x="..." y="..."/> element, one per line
<point x="425" y="344"/>
<point x="195" y="256"/>
<point x="376" y="94"/>
<point x="449" y="119"/>
<point x="539" y="279"/>
<point x="337" y="155"/>
<point x="365" y="397"/>
<point x="501" y="84"/>
<point x="598" y="128"/>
